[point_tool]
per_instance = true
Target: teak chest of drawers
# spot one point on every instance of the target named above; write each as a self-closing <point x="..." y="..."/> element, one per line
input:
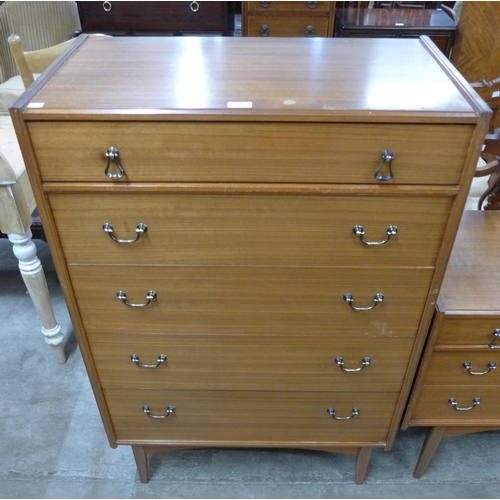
<point x="251" y="238"/>
<point x="458" y="382"/>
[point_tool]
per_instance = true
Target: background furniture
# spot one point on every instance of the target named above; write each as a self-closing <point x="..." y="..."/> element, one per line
<point x="459" y="370"/>
<point x="309" y="19"/>
<point x="157" y="18"/>
<point x="39" y="25"/>
<point x="16" y="206"/>
<point x="243" y="304"/>
<point x="397" y="23"/>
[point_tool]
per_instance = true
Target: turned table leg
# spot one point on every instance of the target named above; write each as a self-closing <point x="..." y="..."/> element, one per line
<point x="34" y="278"/>
<point x="431" y="442"/>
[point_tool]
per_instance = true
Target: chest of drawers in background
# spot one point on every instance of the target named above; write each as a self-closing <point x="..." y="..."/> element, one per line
<point x="301" y="19"/>
<point x="458" y="382"/>
<point x="157" y="18"/>
<point x="251" y="257"/>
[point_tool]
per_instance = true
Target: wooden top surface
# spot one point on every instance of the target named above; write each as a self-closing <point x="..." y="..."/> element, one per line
<point x="276" y="77"/>
<point x="396" y="18"/>
<point x="472" y="280"/>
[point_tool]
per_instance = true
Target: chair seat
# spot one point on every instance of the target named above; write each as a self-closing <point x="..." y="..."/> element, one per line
<point x="10" y="90"/>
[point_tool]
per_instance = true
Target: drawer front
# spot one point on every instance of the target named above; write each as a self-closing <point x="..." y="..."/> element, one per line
<point x="285" y="7"/>
<point x="433" y="405"/>
<point x="256" y="418"/>
<point x="232" y="362"/>
<point x="477" y="332"/>
<point x="287" y="26"/>
<point x="250" y="230"/>
<point x="250" y="152"/>
<point x="291" y="301"/>
<point x="447" y="368"/>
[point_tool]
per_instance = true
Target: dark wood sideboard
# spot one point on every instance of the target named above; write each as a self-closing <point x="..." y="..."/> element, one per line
<point x="397" y="23"/>
<point x="157" y="18"/>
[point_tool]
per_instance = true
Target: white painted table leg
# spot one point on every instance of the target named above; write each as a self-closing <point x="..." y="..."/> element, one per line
<point x="34" y="278"/>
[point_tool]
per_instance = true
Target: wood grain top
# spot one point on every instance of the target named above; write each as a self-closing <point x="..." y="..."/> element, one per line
<point x="472" y="280"/>
<point x="289" y="77"/>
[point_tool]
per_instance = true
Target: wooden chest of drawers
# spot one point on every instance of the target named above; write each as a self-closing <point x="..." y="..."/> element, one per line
<point x="458" y="381"/>
<point x="250" y="256"/>
<point x="301" y="19"/>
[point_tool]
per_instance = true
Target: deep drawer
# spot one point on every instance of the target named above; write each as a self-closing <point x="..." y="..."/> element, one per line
<point x="263" y="25"/>
<point x="476" y="332"/>
<point x="447" y="368"/>
<point x="236" y="362"/>
<point x="250" y="152"/>
<point x="433" y="407"/>
<point x="259" y="300"/>
<point x="250" y="230"/>
<point x="250" y="417"/>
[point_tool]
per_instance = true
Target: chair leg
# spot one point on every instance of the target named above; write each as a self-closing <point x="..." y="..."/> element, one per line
<point x="431" y="442"/>
<point x="34" y="278"/>
<point x="141" y="461"/>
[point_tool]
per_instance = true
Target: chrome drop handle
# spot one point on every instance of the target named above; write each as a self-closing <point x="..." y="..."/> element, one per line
<point x="468" y="367"/>
<point x="496" y="336"/>
<point x="331" y="411"/>
<point x="475" y="402"/>
<point x="387" y="157"/>
<point x="264" y="30"/>
<point x="364" y="363"/>
<point x="149" y="297"/>
<point x="350" y="300"/>
<point x="140" y="229"/>
<point x="135" y="359"/>
<point x="112" y="156"/>
<point x="309" y="31"/>
<point x="147" y="411"/>
<point x="359" y="231"/>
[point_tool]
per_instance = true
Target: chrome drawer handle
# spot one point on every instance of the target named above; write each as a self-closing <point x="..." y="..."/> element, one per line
<point x="194" y="6"/>
<point x="107" y="6"/>
<point x="468" y="367"/>
<point x="264" y="30"/>
<point x="387" y="157"/>
<point x="135" y="359"/>
<point x="112" y="156"/>
<point x="312" y="5"/>
<point x="309" y="31"/>
<point x="475" y="402"/>
<point x="331" y="411"/>
<point x="364" y="363"/>
<point x="141" y="228"/>
<point x="147" y="411"/>
<point x="265" y="5"/>
<point x="350" y="300"/>
<point x="359" y="231"/>
<point x="496" y="335"/>
<point x="149" y="297"/>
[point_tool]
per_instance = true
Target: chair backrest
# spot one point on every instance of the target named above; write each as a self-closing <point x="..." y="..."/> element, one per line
<point x="36" y="61"/>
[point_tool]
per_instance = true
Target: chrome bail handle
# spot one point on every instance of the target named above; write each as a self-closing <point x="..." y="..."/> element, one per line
<point x="387" y="157"/>
<point x="140" y="229"/>
<point x="359" y="231"/>
<point x="475" y="402"/>
<point x="150" y="296"/>
<point x="112" y="156"/>
<point x="379" y="297"/>
<point x="364" y="363"/>
<point x="468" y="367"/>
<point x="135" y="359"/>
<point x="354" y="412"/>
<point x="169" y="411"/>
<point x="496" y="336"/>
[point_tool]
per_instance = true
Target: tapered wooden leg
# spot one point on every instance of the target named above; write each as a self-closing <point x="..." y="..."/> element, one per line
<point x="34" y="278"/>
<point x="141" y="461"/>
<point x="431" y="442"/>
<point x="362" y="459"/>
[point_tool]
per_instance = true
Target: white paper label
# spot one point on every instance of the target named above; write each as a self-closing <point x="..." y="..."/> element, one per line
<point x="495" y="94"/>
<point x="36" y="105"/>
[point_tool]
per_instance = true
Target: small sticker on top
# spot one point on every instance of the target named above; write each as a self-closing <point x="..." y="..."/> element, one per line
<point x="36" y="105"/>
<point x="240" y="104"/>
<point x="495" y="94"/>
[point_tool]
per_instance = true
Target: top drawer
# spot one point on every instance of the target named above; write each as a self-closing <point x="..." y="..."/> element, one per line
<point x="289" y="6"/>
<point x="250" y="152"/>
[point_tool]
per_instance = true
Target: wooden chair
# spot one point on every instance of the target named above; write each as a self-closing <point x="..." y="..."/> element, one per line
<point x="30" y="63"/>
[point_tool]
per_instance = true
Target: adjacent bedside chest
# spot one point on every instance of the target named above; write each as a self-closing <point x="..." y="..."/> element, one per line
<point x="301" y="19"/>
<point x="251" y="234"/>
<point x="459" y="380"/>
<point x="398" y="23"/>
